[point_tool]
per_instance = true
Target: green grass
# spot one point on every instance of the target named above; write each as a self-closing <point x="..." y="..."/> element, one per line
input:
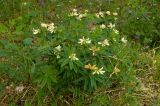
<point x="81" y="60"/>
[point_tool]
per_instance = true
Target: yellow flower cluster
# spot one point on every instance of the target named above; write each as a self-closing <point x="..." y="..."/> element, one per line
<point x="84" y="41"/>
<point x="94" y="49"/>
<point x="115" y="71"/>
<point x="109" y="13"/>
<point x="35" y="31"/>
<point x="103" y="26"/>
<point x="78" y="15"/>
<point x="73" y="57"/>
<point x="50" y="27"/>
<point x="123" y="40"/>
<point x="104" y="43"/>
<point x="94" y="69"/>
<point x="57" y="51"/>
<point x="101" y="14"/>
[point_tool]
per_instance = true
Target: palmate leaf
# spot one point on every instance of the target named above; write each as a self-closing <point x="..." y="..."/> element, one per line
<point x="48" y="77"/>
<point x="73" y="66"/>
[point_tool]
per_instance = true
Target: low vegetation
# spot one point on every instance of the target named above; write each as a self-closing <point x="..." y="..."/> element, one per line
<point x="79" y="53"/>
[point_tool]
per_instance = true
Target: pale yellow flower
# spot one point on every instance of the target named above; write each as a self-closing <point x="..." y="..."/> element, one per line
<point x="44" y="25"/>
<point x="80" y="16"/>
<point x="94" y="69"/>
<point x="57" y="51"/>
<point x="123" y="40"/>
<point x="86" y="11"/>
<point x="84" y="41"/>
<point x="35" y="31"/>
<point x="104" y="42"/>
<point x="116" y="31"/>
<point x="115" y="13"/>
<point x="111" y="25"/>
<point x="100" y="14"/>
<point x="77" y="15"/>
<point x="108" y="13"/>
<point x="94" y="49"/>
<point x="25" y="3"/>
<point x="91" y="67"/>
<point x="51" y="27"/>
<point x="99" y="71"/>
<point x="74" y="10"/>
<point x="57" y="48"/>
<point x="103" y="26"/>
<point x="115" y="71"/>
<point x="73" y="57"/>
<point x="74" y="13"/>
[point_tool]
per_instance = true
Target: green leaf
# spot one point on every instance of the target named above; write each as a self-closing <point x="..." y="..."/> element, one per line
<point x="64" y="62"/>
<point x="71" y="65"/>
<point x="27" y="103"/>
<point x="78" y="80"/>
<point x="3" y="28"/>
<point x="32" y="68"/>
<point x="27" y="41"/>
<point x="48" y="77"/>
<point x="86" y="84"/>
<point x="78" y="63"/>
<point x="93" y="82"/>
<point x="43" y="82"/>
<point x="2" y="53"/>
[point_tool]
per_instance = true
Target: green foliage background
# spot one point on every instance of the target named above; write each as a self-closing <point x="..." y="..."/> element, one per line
<point x="29" y="60"/>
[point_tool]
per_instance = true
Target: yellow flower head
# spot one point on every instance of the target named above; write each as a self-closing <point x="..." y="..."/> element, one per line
<point x="115" y="71"/>
<point x="103" y="26"/>
<point x="35" y="31"/>
<point x="90" y="67"/>
<point x="111" y="25"/>
<point x="104" y="43"/>
<point x="73" y="57"/>
<point x="108" y="13"/>
<point x="84" y="41"/>
<point x="94" y="49"/>
<point x="94" y="69"/>
<point x="115" y="13"/>
<point x="123" y="40"/>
